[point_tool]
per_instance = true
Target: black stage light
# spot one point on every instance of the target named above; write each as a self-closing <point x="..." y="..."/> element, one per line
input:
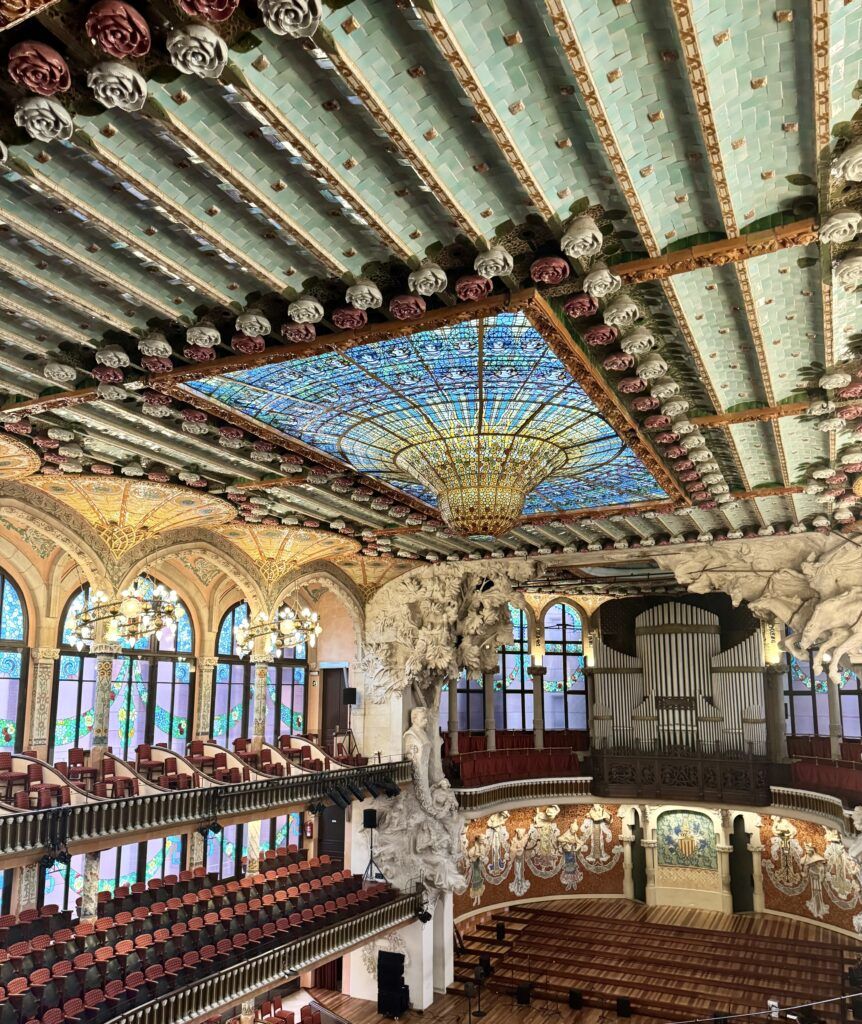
<point x="215" y="828"/>
<point x="373" y="788"/>
<point x="356" y="790"/>
<point x="335" y="796"/>
<point x="424" y="916"/>
<point x="345" y="794"/>
<point x="389" y="787"/>
<point x="63" y="856"/>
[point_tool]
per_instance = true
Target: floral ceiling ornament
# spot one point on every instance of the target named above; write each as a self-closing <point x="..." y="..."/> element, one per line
<point x="253" y="323"/>
<point x="601" y="282"/>
<point x="197" y="50"/>
<point x="118" y="85"/>
<point x="621" y="312"/>
<point x="349" y="318"/>
<point x="59" y="373"/>
<point x="364" y="295"/>
<point x="428" y="280"/>
<point x="495" y="262"/>
<point x="407" y="307"/>
<point x="305" y="310"/>
<point x="155" y="344"/>
<point x="848" y="164"/>
<point x="549" y="270"/>
<point x="841" y="226"/>
<point x="39" y="68"/>
<point x="472" y="287"/>
<point x="837" y="379"/>
<point x="203" y="336"/>
<point x="211" y="10"/>
<point x="112" y="355"/>
<point x="298" y="18"/>
<point x="638" y="342"/>
<point x="118" y="29"/>
<point x="582" y="238"/>
<point x="44" y="119"/>
<point x="848" y="271"/>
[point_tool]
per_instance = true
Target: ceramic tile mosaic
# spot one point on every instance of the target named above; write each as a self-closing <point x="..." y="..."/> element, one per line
<point x="755" y="443"/>
<point x="804" y="445"/>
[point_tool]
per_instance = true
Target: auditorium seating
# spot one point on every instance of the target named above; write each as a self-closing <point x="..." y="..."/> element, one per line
<point x="487" y="767"/>
<point x="666" y="970"/>
<point x="164" y="934"/>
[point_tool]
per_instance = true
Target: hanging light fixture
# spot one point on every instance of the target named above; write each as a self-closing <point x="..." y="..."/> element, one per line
<point x="139" y="611"/>
<point x="288" y="628"/>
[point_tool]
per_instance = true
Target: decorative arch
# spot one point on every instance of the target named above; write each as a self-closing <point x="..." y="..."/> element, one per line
<point x="565" y="684"/>
<point x="332" y="578"/>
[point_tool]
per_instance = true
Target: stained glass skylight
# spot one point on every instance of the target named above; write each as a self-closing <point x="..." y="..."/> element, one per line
<point x="447" y="414"/>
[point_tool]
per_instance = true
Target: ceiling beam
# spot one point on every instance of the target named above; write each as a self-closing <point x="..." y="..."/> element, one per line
<point x="757" y="414"/>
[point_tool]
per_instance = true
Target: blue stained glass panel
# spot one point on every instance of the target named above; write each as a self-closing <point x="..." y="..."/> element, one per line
<point x="365" y="406"/>
<point x="12" y="613"/>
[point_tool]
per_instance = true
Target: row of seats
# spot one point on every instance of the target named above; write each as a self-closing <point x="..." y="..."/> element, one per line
<point x="273" y="1011"/>
<point x="487" y="767"/>
<point x="133" y="956"/>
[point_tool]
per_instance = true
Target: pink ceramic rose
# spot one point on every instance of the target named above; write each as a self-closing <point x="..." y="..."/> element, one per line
<point x="550" y="270"/>
<point x="851" y="391"/>
<point x="298" y="333"/>
<point x="156" y="364"/>
<point x="39" y="68"/>
<point x="194" y="415"/>
<point x="645" y="403"/>
<point x="232" y="433"/>
<point x="631" y="385"/>
<point x="108" y="374"/>
<point x="408" y="307"/>
<point x="601" y="334"/>
<point x="683" y="464"/>
<point x="209" y="10"/>
<point x="689" y="475"/>
<point x="580" y="306"/>
<point x="247" y="344"/>
<point x="657" y="422"/>
<point x="349" y="319"/>
<point x="153" y="397"/>
<point x="22" y="427"/>
<point x="472" y="287"/>
<point x="118" y="29"/>
<point x="667" y="437"/>
<point x="618" y="362"/>
<point x="198" y="353"/>
<point x="675" y="452"/>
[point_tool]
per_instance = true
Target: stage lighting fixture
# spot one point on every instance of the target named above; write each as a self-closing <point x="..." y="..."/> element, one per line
<point x="215" y="828"/>
<point x="356" y="790"/>
<point x="389" y="787"/>
<point x="424" y="916"/>
<point x="373" y="788"/>
<point x="63" y="856"/>
<point x="46" y="861"/>
<point x="345" y="793"/>
<point x="335" y="796"/>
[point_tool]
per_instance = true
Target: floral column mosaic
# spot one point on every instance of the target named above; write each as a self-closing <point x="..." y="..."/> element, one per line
<point x="206" y="666"/>
<point x="105" y="654"/>
<point x="43" y="680"/>
<point x="90" y="889"/>
<point x="261" y="678"/>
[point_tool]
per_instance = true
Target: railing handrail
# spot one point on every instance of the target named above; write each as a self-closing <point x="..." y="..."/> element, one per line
<point x="265" y="970"/>
<point x="30" y="831"/>
<point x="475" y="798"/>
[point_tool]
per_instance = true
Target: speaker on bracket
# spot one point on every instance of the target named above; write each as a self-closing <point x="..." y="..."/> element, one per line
<point x="348" y="695"/>
<point x="369" y="817"/>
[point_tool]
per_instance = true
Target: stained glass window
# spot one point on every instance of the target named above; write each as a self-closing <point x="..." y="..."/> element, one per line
<point x="281" y="831"/>
<point x="13" y="663"/>
<point x="513" y="687"/>
<point x="565" y="685"/>
<point x="151" y="696"/>
<point x="233" y="689"/>
<point x="806" y="701"/>
<point x="471" y="705"/>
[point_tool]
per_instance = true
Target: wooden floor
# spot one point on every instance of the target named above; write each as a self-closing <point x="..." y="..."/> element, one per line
<point x="704" y="970"/>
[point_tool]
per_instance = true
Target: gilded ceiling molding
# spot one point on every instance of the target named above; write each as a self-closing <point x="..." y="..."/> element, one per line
<point x="29" y="230"/>
<point x="454" y="57"/>
<point x="583" y="76"/>
<point x="328" y="575"/>
<point x="110" y="227"/>
<point x="122" y="170"/>
<point x="700" y="91"/>
<point x="320" y="167"/>
<point x="219" y="167"/>
<point x="354" y="79"/>
<point x="754" y="415"/>
<point x="11" y="304"/>
<point x="821" y="72"/>
<point x="76" y="300"/>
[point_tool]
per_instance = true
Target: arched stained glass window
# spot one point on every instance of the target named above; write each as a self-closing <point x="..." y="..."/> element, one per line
<point x="232" y="708"/>
<point x="513" y="696"/>
<point x="151" y="695"/>
<point x="565" y="685"/>
<point x="13" y="663"/>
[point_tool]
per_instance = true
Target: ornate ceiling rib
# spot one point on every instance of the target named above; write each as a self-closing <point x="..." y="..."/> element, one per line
<point x="454" y="56"/>
<point x="61" y="327"/>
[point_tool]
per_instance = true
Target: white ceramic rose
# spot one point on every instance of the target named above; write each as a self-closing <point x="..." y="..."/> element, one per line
<point x="428" y="280"/>
<point x="848" y="271"/>
<point x="118" y="85"/>
<point x="841" y="226"/>
<point x="155" y="345"/>
<point x="601" y="282"/>
<point x="197" y="50"/>
<point x="621" y="312"/>
<point x="364" y="295"/>
<point x="494" y="262"/>
<point x="203" y="335"/>
<point x="832" y="381"/>
<point x="113" y="356"/>
<point x="43" y="118"/>
<point x="305" y="310"/>
<point x="651" y="367"/>
<point x="254" y="324"/>
<point x="638" y="341"/>
<point x="848" y="164"/>
<point x="582" y="238"/>
<point x="291" y="17"/>
<point x="59" y="373"/>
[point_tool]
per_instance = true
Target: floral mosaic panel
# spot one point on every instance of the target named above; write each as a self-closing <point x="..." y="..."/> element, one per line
<point x="686" y="840"/>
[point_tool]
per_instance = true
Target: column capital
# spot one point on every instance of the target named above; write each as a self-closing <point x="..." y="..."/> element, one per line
<point x="721" y="848"/>
<point x="45" y="654"/>
<point x="537" y="670"/>
<point x="753" y="848"/>
<point x="105" y="650"/>
<point x="206" y="662"/>
<point x="262" y="659"/>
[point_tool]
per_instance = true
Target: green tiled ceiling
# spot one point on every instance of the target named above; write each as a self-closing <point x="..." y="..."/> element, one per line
<point x="756" y="446"/>
<point x="804" y="445"/>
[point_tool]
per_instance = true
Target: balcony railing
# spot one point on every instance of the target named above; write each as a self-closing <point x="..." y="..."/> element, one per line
<point x="537" y="790"/>
<point x="27" y="834"/>
<point x="803" y="801"/>
<point x="259" y="973"/>
<point x="680" y="777"/>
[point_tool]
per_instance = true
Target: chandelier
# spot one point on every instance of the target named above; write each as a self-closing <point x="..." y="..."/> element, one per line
<point x="139" y="611"/>
<point x="288" y="628"/>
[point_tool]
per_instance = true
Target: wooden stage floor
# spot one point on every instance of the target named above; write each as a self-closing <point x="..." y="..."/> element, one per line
<point x="451" y="1008"/>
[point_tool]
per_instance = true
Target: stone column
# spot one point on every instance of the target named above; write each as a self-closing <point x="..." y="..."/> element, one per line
<point x="453" y="716"/>
<point x="40" y="708"/>
<point x="537" y="674"/>
<point x="444" y="943"/>
<point x="836" y="732"/>
<point x="756" y="851"/>
<point x="197" y="850"/>
<point x="773" y="695"/>
<point x="649" y="846"/>
<point x="724" y="871"/>
<point x="90" y="888"/>
<point x="590" y="684"/>
<point x="105" y="654"/>
<point x="204" y="671"/>
<point x="261" y="678"/>
<point x="246" y="1012"/>
<point x="628" y="878"/>
<point x="253" y="847"/>
<point x="488" y="697"/>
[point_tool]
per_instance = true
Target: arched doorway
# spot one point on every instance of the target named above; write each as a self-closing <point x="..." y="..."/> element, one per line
<point x="741" y="868"/>
<point x="639" y="878"/>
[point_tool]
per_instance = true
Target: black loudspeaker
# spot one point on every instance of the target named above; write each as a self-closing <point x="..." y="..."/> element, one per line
<point x="485" y="964"/>
<point x="856" y="1006"/>
<point x="393" y="1002"/>
<point x="390" y="969"/>
<point x="369" y="818"/>
<point x="576" y="999"/>
<point x="522" y="995"/>
<point x="501" y="931"/>
<point x="624" y="1006"/>
<point x="348" y="695"/>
